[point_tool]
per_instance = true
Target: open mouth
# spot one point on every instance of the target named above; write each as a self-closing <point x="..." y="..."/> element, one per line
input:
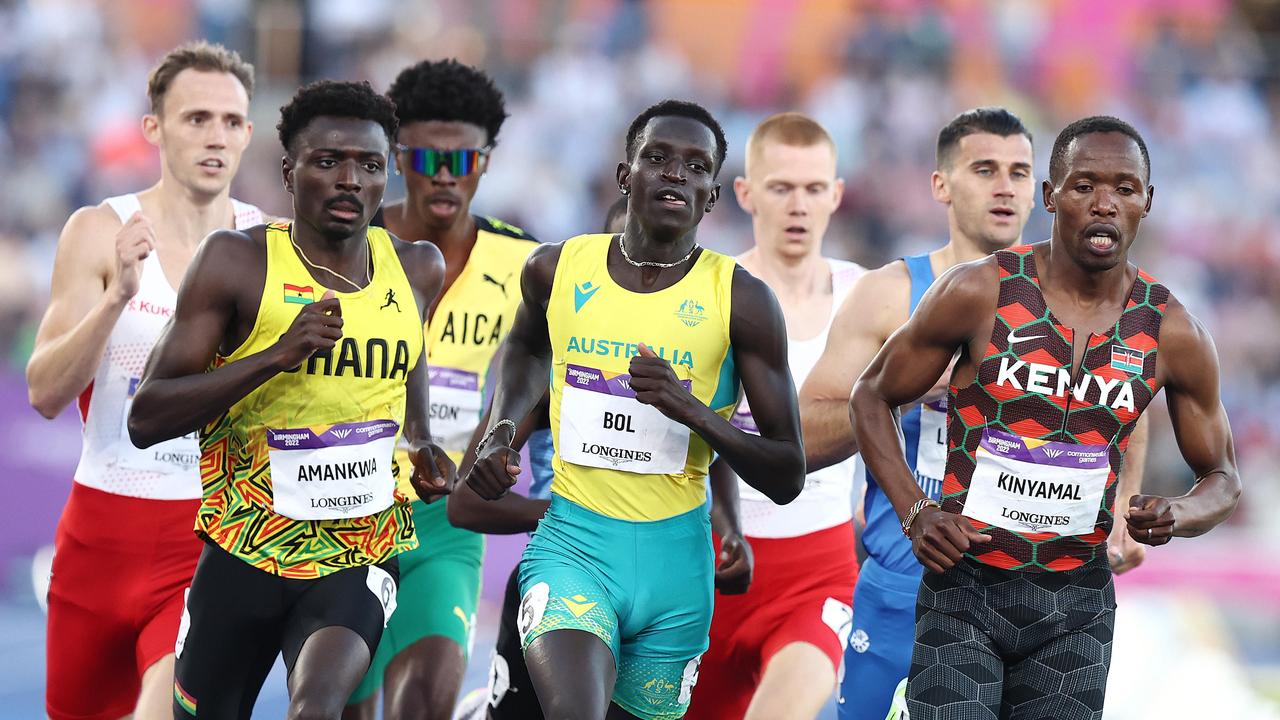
<point x="1003" y="213"/>
<point x="212" y="164"/>
<point x="1102" y="238"/>
<point x="796" y="231"/>
<point x="671" y="197"/>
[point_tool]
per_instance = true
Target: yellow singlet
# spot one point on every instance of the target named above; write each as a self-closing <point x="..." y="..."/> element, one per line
<point x="470" y="322"/>
<point x="326" y="430"/>
<point x="614" y="455"/>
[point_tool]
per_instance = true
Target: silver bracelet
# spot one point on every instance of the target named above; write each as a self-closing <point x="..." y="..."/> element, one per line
<point x="489" y="435"/>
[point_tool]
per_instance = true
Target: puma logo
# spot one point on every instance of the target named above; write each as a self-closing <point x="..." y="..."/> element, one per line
<point x="501" y="285"/>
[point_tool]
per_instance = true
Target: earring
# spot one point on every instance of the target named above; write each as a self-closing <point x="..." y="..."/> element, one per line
<point x="624" y="189"/>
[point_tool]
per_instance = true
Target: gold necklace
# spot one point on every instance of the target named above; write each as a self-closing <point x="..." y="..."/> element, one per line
<point x="368" y="276"/>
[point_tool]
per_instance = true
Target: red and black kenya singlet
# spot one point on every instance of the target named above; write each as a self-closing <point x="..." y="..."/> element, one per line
<point x="1026" y="402"/>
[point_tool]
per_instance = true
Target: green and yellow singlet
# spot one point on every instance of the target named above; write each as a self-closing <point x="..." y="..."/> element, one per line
<point x="469" y="323"/>
<point x="614" y="455"/>
<point x="297" y="475"/>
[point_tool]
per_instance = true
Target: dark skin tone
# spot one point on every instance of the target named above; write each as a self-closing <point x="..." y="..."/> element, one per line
<point x="423" y="680"/>
<point x="1101" y="190"/>
<point x="674" y="159"/>
<point x="336" y="173"/>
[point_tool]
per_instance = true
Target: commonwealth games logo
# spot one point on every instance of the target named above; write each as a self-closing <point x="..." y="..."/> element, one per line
<point x="691" y="313"/>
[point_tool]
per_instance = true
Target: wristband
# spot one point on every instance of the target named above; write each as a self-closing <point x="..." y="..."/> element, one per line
<point x="921" y="504"/>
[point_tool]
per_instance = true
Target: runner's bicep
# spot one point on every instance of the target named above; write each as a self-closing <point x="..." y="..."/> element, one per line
<point x="856" y="336"/>
<point x="200" y="319"/>
<point x="758" y="336"/>
<point x="80" y="274"/>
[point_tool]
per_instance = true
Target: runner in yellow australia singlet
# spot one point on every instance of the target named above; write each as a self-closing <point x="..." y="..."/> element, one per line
<point x="444" y="141"/>
<point x="644" y="337"/>
<point x="302" y="377"/>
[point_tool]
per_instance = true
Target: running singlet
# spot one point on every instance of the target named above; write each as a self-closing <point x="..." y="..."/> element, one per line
<point x="615" y="456"/>
<point x="109" y="461"/>
<point x="824" y="501"/>
<point x="469" y="323"/>
<point x="924" y="446"/>
<point x="1034" y="451"/>
<point x="297" y="475"/>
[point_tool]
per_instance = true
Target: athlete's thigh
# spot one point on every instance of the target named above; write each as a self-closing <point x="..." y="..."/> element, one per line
<point x="228" y="637"/>
<point x="877" y="655"/>
<point x="730" y="667"/>
<point x="956" y="672"/>
<point x="361" y="599"/>
<point x="656" y="688"/>
<point x="1065" y="678"/>
<point x="511" y="693"/>
<point x="573" y="672"/>
<point x="422" y="680"/>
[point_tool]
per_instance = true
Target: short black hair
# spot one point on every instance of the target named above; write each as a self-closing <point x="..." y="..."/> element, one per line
<point x="1091" y="126"/>
<point x="994" y="120"/>
<point x="327" y="98"/>
<point x="450" y="91"/>
<point x="679" y="108"/>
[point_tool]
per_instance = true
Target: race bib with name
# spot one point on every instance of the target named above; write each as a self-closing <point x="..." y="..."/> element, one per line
<point x="931" y="449"/>
<point x="1034" y="486"/>
<point x="456" y="404"/>
<point x="343" y="472"/>
<point x="176" y="455"/>
<point x="603" y="426"/>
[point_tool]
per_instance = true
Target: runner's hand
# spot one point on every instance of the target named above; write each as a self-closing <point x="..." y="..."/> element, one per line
<point x="1125" y="552"/>
<point x="317" y="328"/>
<point x="434" y="475"/>
<point x="939" y="539"/>
<point x="734" y="565"/>
<point x="656" y="384"/>
<point x="1150" y="519"/>
<point x="494" y="472"/>
<point x="134" y="242"/>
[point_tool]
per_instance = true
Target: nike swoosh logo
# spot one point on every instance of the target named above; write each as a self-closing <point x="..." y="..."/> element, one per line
<point x="581" y="294"/>
<point x="1015" y="339"/>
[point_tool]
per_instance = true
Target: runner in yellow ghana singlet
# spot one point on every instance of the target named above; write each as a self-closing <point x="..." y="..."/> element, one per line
<point x="450" y="115"/>
<point x="645" y="337"/>
<point x="301" y="377"/>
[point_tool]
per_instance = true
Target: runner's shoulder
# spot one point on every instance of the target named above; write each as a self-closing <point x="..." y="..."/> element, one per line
<point x="423" y="262"/>
<point x="91" y="229"/>
<point x="973" y="280"/>
<point x="232" y="247"/>
<point x="501" y="228"/>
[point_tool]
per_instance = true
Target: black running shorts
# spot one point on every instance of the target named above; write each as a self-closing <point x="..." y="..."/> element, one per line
<point x="238" y="618"/>
<point x="511" y="694"/>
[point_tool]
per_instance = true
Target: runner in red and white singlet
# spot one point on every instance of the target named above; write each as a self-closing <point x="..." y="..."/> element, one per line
<point x="775" y="650"/>
<point x="125" y="550"/>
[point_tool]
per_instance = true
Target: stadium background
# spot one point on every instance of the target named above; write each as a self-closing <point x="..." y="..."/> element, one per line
<point x="1199" y="627"/>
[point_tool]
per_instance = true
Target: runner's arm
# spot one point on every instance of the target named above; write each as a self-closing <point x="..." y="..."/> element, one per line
<point x="524" y="365"/>
<point x="1189" y="366"/>
<point x="773" y="461"/>
<point x="433" y="474"/>
<point x="874" y="308"/>
<point x="177" y="395"/>
<point x="908" y="365"/>
<point x="512" y="513"/>
<point x="1126" y="554"/>
<point x="735" y="561"/>
<point x="84" y="305"/>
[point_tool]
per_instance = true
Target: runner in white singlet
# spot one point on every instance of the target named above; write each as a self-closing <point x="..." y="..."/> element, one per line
<point x="125" y="550"/>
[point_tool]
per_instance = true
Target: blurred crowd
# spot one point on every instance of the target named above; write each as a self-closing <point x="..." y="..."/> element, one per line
<point x="883" y="75"/>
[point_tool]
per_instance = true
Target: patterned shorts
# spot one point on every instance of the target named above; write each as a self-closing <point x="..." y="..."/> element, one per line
<point x="1012" y="645"/>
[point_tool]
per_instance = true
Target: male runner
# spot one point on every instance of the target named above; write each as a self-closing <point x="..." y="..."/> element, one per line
<point x="775" y="651"/>
<point x="1061" y="347"/>
<point x="450" y="115"/>
<point x="124" y="547"/>
<point x="644" y="336"/>
<point x="984" y="179"/>
<point x="285" y="352"/>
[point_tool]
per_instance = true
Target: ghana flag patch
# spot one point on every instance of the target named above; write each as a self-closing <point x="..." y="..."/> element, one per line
<point x="299" y="294"/>
<point x="184" y="699"/>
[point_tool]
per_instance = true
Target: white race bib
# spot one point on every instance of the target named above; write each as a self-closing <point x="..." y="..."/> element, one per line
<point x="180" y="454"/>
<point x="602" y="425"/>
<point x="931" y="449"/>
<point x="1035" y="486"/>
<point x="456" y="403"/>
<point x="344" y="472"/>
